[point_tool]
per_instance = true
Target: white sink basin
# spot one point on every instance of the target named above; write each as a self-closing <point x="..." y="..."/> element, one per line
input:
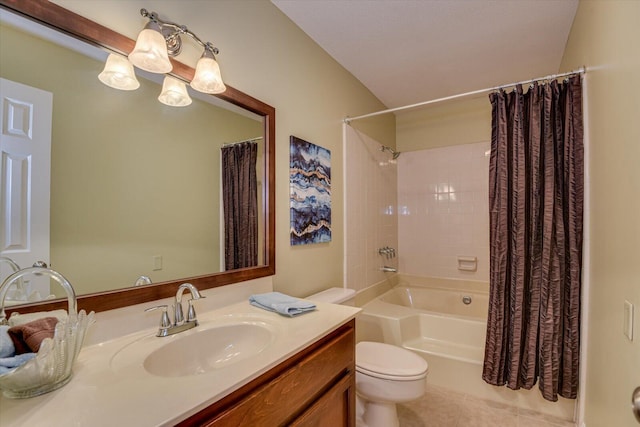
<point x="207" y="350"/>
<point x="200" y="350"/>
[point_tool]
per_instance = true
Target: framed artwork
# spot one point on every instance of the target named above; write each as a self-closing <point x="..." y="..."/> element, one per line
<point x="309" y="192"/>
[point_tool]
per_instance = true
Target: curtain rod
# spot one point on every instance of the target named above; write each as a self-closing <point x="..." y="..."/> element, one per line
<point x="229" y="144"/>
<point x="348" y="120"/>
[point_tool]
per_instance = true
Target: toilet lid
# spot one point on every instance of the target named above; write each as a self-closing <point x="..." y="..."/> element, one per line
<point x="389" y="361"/>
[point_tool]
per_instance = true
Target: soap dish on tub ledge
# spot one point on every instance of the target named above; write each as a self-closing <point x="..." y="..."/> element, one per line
<point x="51" y="368"/>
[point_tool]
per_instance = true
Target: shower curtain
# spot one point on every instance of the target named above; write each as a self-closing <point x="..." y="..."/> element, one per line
<point x="240" y="205"/>
<point x="536" y="202"/>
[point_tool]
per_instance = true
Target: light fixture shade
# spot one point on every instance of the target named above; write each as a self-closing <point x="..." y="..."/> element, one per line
<point x="118" y="73"/>
<point x="150" y="53"/>
<point x="207" y="78"/>
<point x="174" y="93"/>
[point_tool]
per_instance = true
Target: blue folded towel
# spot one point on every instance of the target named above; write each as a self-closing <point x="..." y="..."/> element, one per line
<point x="7" y="349"/>
<point x="10" y="363"/>
<point x="281" y="303"/>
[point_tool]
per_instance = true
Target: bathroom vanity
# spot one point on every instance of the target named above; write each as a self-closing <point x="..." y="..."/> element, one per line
<point x="282" y="371"/>
<point x="314" y="387"/>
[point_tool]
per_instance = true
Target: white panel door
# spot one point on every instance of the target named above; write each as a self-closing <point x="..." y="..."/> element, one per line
<point x="25" y="173"/>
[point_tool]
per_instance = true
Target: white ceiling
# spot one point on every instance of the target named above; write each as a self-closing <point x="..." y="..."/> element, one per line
<point x="409" y="51"/>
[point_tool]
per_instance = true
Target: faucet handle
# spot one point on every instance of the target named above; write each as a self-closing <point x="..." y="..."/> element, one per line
<point x="165" y="322"/>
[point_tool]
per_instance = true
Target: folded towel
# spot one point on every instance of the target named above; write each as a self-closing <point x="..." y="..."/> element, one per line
<point x="27" y="337"/>
<point x="281" y="303"/>
<point x="20" y="319"/>
<point x="7" y="349"/>
<point x="10" y="363"/>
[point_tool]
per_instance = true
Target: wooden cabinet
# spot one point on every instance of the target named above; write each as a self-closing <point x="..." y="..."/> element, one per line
<point x="315" y="387"/>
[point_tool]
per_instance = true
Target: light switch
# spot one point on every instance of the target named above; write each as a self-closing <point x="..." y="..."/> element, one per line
<point x="157" y="262"/>
<point x="628" y="320"/>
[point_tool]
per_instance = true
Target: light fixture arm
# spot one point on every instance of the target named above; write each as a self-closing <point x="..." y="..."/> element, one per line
<point x="172" y="31"/>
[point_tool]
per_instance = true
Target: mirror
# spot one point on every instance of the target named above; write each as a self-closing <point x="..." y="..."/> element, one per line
<point x="154" y="209"/>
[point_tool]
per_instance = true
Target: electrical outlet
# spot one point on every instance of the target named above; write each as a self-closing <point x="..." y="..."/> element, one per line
<point x="628" y="320"/>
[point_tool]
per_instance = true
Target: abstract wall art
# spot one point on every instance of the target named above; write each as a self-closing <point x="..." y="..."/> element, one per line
<point x="310" y="192"/>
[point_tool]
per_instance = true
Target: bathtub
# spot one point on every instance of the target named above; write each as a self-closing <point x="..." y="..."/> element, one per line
<point x="444" y="321"/>
<point x="444" y="318"/>
<point x="469" y="303"/>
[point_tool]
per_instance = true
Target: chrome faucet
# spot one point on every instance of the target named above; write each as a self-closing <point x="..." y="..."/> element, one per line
<point x="191" y="313"/>
<point x="142" y="280"/>
<point x="179" y="324"/>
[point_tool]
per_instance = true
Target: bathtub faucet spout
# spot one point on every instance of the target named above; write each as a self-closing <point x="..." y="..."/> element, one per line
<point x="389" y="269"/>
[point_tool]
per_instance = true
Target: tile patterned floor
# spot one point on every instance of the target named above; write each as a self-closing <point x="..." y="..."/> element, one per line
<point x="445" y="408"/>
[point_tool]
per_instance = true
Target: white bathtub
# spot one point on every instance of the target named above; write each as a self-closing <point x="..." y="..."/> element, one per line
<point x="428" y="316"/>
<point x="431" y="318"/>
<point x="471" y="303"/>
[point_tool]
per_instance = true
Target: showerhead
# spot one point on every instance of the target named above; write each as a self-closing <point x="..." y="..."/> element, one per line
<point x="395" y="154"/>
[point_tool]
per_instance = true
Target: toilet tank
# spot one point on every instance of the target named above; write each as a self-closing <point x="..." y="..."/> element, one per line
<point x="344" y="296"/>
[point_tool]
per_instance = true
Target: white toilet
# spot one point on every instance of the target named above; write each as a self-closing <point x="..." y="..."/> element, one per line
<point x="385" y="374"/>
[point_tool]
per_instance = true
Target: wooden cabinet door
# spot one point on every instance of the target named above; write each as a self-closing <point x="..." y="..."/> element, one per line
<point x="335" y="408"/>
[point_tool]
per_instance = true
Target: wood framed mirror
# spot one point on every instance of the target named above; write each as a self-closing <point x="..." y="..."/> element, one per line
<point x="69" y="23"/>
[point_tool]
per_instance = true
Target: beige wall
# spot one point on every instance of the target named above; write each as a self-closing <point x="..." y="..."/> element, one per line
<point x="456" y="122"/>
<point x="606" y="38"/>
<point x="264" y="54"/>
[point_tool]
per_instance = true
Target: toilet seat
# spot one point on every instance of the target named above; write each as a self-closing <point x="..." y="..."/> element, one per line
<point x="389" y="362"/>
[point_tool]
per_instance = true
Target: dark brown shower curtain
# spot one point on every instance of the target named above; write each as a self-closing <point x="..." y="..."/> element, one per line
<point x="536" y="202"/>
<point x="240" y="205"/>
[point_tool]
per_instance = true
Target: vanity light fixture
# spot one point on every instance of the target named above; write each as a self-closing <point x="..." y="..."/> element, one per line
<point x="150" y="52"/>
<point x="161" y="39"/>
<point x="207" y="78"/>
<point x="174" y="93"/>
<point x="118" y="73"/>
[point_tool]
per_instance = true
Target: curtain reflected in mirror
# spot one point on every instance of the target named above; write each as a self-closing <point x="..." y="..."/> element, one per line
<point x="240" y="204"/>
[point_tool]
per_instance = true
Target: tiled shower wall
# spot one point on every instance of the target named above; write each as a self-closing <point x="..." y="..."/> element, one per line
<point x="443" y="211"/>
<point x="371" y="220"/>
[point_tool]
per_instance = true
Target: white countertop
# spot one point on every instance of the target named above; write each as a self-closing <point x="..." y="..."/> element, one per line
<point x="105" y="393"/>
